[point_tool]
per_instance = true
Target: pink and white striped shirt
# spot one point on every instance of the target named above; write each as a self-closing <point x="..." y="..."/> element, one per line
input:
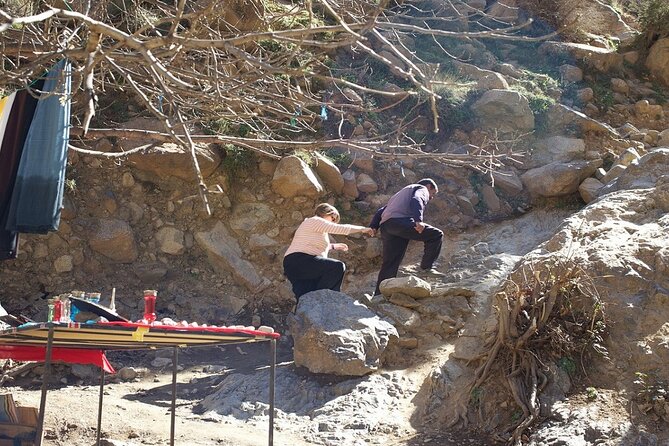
<point x="312" y="237"/>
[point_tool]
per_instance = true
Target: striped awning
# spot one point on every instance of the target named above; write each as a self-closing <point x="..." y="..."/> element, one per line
<point x="127" y="336"/>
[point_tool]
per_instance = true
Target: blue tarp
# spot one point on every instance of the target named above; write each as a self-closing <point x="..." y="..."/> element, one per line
<point x="38" y="191"/>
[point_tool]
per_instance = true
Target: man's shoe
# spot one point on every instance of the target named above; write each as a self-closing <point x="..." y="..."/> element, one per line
<point x="430" y="272"/>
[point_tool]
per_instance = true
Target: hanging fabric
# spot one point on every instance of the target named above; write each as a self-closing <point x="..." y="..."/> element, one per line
<point x="38" y="191"/>
<point x="19" y="117"/>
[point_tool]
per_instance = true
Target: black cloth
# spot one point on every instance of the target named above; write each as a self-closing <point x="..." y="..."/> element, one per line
<point x="18" y="124"/>
<point x="395" y="236"/>
<point x="307" y="273"/>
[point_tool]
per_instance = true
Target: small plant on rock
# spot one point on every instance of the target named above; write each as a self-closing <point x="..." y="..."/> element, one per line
<point x="652" y="396"/>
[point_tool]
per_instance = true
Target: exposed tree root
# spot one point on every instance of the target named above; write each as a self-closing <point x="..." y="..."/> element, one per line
<point x="550" y="315"/>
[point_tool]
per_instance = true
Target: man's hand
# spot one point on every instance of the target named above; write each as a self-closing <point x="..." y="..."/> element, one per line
<point x="420" y="226"/>
<point x="369" y="231"/>
<point x="340" y="247"/>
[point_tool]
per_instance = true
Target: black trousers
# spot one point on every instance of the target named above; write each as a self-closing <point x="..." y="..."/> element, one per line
<point x="395" y="235"/>
<point x="307" y="273"/>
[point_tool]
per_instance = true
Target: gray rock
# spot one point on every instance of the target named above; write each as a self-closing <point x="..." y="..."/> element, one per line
<point x="365" y="183"/>
<point x="248" y="217"/>
<point x="63" y="264"/>
<point x="556" y="179"/>
<point x="113" y="239"/>
<point x="128" y="373"/>
<point x="225" y="255"/>
<point x="410" y="285"/>
<point x="334" y="334"/>
<point x="507" y="181"/>
<point x="557" y="148"/>
<point x="589" y="189"/>
<point x="570" y="74"/>
<point x="645" y="174"/>
<point x="329" y="173"/>
<point x="657" y="61"/>
<point x="150" y="273"/>
<point x="170" y="240"/>
<point x="294" y="177"/>
<point x="170" y="160"/>
<point x="504" y="110"/>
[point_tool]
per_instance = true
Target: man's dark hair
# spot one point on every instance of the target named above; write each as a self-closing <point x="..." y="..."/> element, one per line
<point x="428" y="182"/>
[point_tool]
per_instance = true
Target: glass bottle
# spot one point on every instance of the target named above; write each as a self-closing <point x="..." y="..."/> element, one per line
<point x="150" y="305"/>
<point x="49" y="317"/>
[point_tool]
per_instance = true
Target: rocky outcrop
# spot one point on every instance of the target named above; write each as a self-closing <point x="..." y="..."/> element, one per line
<point x="334" y="334"/>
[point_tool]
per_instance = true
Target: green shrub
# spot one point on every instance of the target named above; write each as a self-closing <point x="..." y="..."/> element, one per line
<point x="653" y="16"/>
<point x="237" y="160"/>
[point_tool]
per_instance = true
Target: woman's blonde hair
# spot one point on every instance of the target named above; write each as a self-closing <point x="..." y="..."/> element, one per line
<point x="325" y="209"/>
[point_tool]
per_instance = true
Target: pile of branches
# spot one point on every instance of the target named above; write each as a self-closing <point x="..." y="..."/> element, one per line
<point x="554" y="315"/>
<point x="265" y="66"/>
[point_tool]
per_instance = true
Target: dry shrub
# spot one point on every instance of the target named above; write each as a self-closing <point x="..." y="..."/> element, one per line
<point x="550" y="314"/>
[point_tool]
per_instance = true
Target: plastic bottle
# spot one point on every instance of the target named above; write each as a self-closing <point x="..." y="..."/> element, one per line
<point x="57" y="310"/>
<point x="65" y="309"/>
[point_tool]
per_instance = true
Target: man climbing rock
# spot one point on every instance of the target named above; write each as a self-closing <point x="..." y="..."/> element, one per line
<point x="401" y="220"/>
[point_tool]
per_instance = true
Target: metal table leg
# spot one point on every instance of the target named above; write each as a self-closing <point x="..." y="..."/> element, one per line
<point x="45" y="379"/>
<point x="102" y="388"/>
<point x="174" y="394"/>
<point x="272" y="379"/>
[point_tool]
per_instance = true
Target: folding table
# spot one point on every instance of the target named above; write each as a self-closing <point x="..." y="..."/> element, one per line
<point x="71" y="340"/>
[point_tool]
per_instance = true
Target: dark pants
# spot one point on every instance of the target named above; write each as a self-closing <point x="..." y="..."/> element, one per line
<point x="395" y="234"/>
<point x="307" y="273"/>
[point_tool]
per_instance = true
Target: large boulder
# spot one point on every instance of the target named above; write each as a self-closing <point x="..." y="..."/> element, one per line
<point x="334" y="334"/>
<point x="556" y="179"/>
<point x="329" y="173"/>
<point x="294" y="177"/>
<point x="557" y="148"/>
<point x="169" y="160"/>
<point x="657" y="61"/>
<point x="225" y="256"/>
<point x="505" y="110"/>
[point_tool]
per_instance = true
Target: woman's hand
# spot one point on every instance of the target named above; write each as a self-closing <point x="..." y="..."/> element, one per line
<point x="340" y="247"/>
<point x="369" y="231"/>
